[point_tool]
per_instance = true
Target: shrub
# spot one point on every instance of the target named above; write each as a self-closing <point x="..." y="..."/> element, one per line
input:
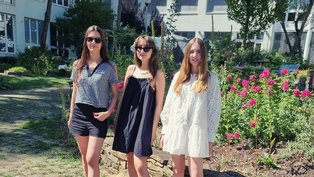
<point x="4" y="66"/>
<point x="18" y="70"/>
<point x="265" y="108"/>
<point x="38" y="60"/>
<point x="122" y="62"/>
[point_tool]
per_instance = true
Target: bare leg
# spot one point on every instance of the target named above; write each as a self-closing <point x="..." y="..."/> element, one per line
<point x="92" y="156"/>
<point x="131" y="168"/>
<point x="140" y="164"/>
<point x="82" y="142"/>
<point x="178" y="165"/>
<point x="196" y="167"/>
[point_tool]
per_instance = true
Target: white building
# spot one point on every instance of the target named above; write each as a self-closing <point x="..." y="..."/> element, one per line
<point x="201" y="18"/>
<point x="22" y="20"/>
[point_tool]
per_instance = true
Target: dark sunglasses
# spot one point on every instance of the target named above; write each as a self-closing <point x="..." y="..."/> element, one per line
<point x="96" y="39"/>
<point x="145" y="49"/>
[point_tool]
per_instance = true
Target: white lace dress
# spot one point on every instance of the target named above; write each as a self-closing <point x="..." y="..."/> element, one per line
<point x="190" y="120"/>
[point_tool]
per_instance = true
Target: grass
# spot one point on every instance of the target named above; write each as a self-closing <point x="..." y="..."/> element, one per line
<point x="25" y="82"/>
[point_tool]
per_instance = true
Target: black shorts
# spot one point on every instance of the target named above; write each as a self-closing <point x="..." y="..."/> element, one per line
<point x="84" y="123"/>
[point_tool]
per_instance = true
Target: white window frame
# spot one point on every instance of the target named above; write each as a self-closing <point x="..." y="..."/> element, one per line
<point x="5" y="40"/>
<point x="56" y="2"/>
<point x="9" y="2"/>
<point x="31" y="43"/>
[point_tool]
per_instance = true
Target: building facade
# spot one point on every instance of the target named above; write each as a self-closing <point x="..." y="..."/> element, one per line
<point x="21" y="22"/>
<point x="202" y="18"/>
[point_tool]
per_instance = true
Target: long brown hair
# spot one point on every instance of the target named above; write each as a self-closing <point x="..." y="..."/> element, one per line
<point x="185" y="69"/>
<point x="85" y="52"/>
<point x="153" y="62"/>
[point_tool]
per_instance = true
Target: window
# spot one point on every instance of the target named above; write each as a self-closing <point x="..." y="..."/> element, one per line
<point x="6" y="33"/>
<point x="216" y="5"/>
<point x="187" y="5"/>
<point x="65" y="3"/>
<point x="33" y="29"/>
<point x="6" y="2"/>
<point x="291" y="16"/>
<point x="57" y="46"/>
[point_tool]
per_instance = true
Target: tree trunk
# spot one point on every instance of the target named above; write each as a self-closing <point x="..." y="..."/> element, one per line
<point x="119" y="13"/>
<point x="43" y="36"/>
<point x="283" y="25"/>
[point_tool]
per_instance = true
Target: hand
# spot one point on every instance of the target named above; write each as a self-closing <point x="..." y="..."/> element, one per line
<point x="69" y="123"/>
<point x="101" y="116"/>
<point x="210" y="148"/>
<point x="161" y="143"/>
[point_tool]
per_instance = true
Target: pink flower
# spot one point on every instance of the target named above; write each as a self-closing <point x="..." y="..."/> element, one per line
<point x="305" y="93"/>
<point x="285" y="86"/>
<point x="264" y="74"/>
<point x="257" y="89"/>
<point x="239" y="81"/>
<point x="271" y="81"/>
<point x="229" y="136"/>
<point x="252" y="77"/>
<point x="243" y="94"/>
<point x="236" y="135"/>
<point x="284" y="71"/>
<point x="245" y="83"/>
<point x="229" y="78"/>
<point x="296" y="92"/>
<point x="297" y="71"/>
<point x="237" y="91"/>
<point x="252" y="123"/>
<point x="232" y="88"/>
<point x="245" y="105"/>
<point x="252" y="102"/>
<point x="267" y="92"/>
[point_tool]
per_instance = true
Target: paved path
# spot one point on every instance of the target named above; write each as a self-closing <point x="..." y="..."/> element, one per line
<point x="23" y="153"/>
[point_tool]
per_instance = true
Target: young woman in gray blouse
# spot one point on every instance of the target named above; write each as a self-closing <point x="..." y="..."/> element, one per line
<point x="93" y="77"/>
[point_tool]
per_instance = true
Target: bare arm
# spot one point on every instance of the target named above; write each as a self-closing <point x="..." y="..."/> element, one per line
<point x="160" y="90"/>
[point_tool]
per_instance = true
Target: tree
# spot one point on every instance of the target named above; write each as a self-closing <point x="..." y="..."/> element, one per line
<point x="302" y="18"/>
<point x="43" y="36"/>
<point x="255" y="16"/>
<point x="79" y="17"/>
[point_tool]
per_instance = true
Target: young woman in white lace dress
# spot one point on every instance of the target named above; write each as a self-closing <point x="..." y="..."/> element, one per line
<point x="191" y="113"/>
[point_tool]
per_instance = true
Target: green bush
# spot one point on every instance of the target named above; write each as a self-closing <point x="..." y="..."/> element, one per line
<point x="38" y="60"/>
<point x="8" y="60"/>
<point x="4" y="66"/>
<point x="18" y="70"/>
<point x="122" y="62"/>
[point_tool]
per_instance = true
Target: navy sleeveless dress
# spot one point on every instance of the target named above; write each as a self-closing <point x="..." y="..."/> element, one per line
<point x="135" y="119"/>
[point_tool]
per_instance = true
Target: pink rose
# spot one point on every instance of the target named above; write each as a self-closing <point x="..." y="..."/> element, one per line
<point x="229" y="78"/>
<point x="239" y="81"/>
<point x="252" y="102"/>
<point x="243" y="94"/>
<point x="236" y="135"/>
<point x="271" y="81"/>
<point x="252" y="123"/>
<point x="257" y="89"/>
<point x="232" y="88"/>
<point x="285" y="86"/>
<point x="264" y="74"/>
<point x="284" y="71"/>
<point x="245" y="83"/>
<point x="296" y="92"/>
<point x="252" y="77"/>
<point x="229" y="136"/>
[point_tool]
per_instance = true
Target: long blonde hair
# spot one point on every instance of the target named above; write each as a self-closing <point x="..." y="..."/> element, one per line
<point x="185" y="69"/>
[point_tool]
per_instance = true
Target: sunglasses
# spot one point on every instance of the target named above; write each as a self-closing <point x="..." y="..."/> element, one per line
<point x="145" y="49"/>
<point x="96" y="39"/>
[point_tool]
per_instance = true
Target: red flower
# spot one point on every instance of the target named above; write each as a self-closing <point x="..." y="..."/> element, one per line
<point x="243" y="94"/>
<point x="252" y="102"/>
<point x="229" y="78"/>
<point x="236" y="135"/>
<point x="120" y="85"/>
<point x="232" y="88"/>
<point x="229" y="136"/>
<point x="252" y="123"/>
<point x="271" y="81"/>
<point x="296" y="92"/>
<point x="285" y="86"/>
<point x="257" y="89"/>
<point x="245" y="105"/>
<point x="252" y="77"/>
<point x="239" y="81"/>
<point x="284" y="71"/>
<point x="305" y="93"/>
<point x="245" y="83"/>
<point x="264" y="74"/>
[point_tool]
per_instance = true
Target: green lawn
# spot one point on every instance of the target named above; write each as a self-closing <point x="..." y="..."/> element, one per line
<point x="24" y="82"/>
